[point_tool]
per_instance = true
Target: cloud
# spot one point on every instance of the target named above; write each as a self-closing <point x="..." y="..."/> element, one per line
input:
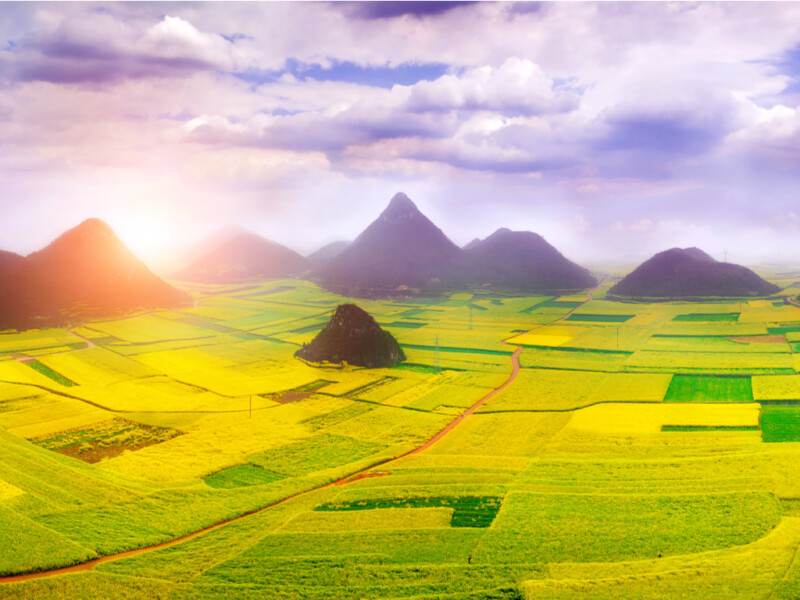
<point x="390" y="10"/>
<point x="96" y="48"/>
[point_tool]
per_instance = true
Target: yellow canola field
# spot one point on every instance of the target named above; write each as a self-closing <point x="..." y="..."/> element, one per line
<point x="501" y="434"/>
<point x="51" y="414"/>
<point x="643" y="419"/>
<point x="195" y="367"/>
<point x="776" y="387"/>
<point x="208" y="445"/>
<point x="16" y="372"/>
<point x="370" y="520"/>
<point x="555" y="335"/>
<point x="9" y="491"/>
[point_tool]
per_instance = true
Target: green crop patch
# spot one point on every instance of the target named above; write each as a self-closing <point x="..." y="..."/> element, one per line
<point x="405" y="325"/>
<point x="707" y="317"/>
<point x="589" y="318"/>
<point x="698" y="428"/>
<point x="709" y="388"/>
<point x="784" y="328"/>
<point x="780" y="424"/>
<point x="241" y="476"/>
<point x="468" y="511"/>
<point x="48" y="372"/>
<point x="105" y="439"/>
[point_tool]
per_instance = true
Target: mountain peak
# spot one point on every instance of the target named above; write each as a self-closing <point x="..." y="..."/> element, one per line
<point x="693" y="253"/>
<point x="400" y="206"/>
<point x="94" y="226"/>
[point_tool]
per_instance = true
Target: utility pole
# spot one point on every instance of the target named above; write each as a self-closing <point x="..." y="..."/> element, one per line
<point x="436" y="359"/>
<point x="617" y="337"/>
<point x="470" y="316"/>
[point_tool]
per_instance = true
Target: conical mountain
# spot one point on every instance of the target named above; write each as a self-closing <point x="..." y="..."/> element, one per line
<point x="244" y="256"/>
<point x="85" y="271"/>
<point x="523" y="261"/>
<point x="402" y="247"/>
<point x="691" y="273"/>
<point x="353" y="336"/>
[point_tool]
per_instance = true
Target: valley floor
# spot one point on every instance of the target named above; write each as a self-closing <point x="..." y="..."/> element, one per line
<point x="641" y="451"/>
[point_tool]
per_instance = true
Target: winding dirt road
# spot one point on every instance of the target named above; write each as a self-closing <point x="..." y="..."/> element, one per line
<point x="364" y="473"/>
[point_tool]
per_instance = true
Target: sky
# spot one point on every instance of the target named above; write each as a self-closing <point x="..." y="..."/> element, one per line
<point x="615" y="130"/>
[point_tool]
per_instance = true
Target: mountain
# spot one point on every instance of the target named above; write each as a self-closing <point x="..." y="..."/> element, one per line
<point x="327" y="252"/>
<point x="85" y="271"/>
<point x="471" y="244"/>
<point x="353" y="336"/>
<point x="208" y="244"/>
<point x="522" y="261"/>
<point x="244" y="256"/>
<point x="691" y="273"/>
<point x="402" y="247"/>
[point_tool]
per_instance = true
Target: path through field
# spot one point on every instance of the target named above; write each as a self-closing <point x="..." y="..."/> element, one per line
<point x="368" y="472"/>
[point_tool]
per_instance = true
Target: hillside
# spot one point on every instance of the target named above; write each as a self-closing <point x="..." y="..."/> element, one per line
<point x="85" y="271"/>
<point x="401" y="248"/>
<point x="691" y="273"/>
<point x="522" y="261"/>
<point x="244" y="256"/>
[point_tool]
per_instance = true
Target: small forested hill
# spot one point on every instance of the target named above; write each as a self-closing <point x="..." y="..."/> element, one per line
<point x="402" y="247"/>
<point x="353" y="336"/>
<point x="244" y="256"/>
<point x="523" y="261"/>
<point x="691" y="273"/>
<point x="86" y="270"/>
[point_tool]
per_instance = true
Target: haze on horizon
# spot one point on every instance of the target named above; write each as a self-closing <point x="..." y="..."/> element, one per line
<point x="613" y="130"/>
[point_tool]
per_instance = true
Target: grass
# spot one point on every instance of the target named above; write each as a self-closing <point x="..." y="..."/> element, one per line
<point x="692" y="388"/>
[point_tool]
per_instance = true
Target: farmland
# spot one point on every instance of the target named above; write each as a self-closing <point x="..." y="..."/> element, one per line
<point x="641" y="451"/>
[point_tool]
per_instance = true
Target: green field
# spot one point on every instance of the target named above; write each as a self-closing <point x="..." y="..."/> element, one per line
<point x="642" y="451"/>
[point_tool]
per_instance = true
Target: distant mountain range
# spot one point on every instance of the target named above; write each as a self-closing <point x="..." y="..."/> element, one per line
<point x="86" y="271"/>
<point x="690" y="273"/>
<point x="403" y="250"/>
<point x="244" y="256"/>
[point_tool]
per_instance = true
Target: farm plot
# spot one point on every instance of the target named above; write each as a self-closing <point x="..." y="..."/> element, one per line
<point x="694" y="388"/>
<point x="573" y="359"/>
<point x="755" y="363"/>
<point x="318" y="453"/>
<point x="535" y="527"/>
<point x="697" y="343"/>
<point x="780" y="423"/>
<point x="543" y="390"/>
<point x="776" y="387"/>
<point x="467" y="511"/>
<point x="105" y="439"/>
<point x="150" y="328"/>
